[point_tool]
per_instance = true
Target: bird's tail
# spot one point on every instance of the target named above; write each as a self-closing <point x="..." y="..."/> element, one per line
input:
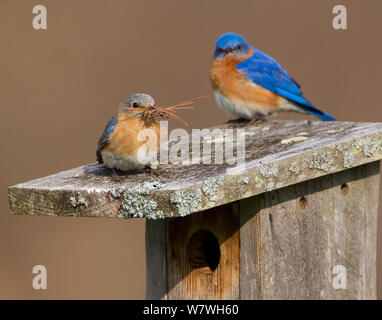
<point x="309" y="108"/>
<point x="305" y="105"/>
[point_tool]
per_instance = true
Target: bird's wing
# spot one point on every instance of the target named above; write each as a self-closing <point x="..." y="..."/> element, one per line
<point x="104" y="139"/>
<point x="267" y="72"/>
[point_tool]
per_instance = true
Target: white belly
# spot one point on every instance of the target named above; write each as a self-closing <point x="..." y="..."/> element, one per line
<point x="122" y="162"/>
<point x="250" y="111"/>
<point x="239" y="109"/>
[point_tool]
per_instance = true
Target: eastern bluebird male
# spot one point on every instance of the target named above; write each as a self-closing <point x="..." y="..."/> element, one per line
<point x="118" y="146"/>
<point x="248" y="84"/>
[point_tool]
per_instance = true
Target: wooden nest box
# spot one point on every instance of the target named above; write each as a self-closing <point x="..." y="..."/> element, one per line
<point x="303" y="211"/>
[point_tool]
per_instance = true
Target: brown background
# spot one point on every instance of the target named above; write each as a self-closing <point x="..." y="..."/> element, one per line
<point x="59" y="86"/>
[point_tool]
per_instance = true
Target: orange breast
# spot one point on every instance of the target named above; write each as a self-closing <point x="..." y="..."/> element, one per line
<point x="233" y="84"/>
<point x="124" y="139"/>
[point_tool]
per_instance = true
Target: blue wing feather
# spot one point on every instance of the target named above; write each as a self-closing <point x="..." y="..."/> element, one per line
<point x="268" y="73"/>
<point x="104" y="139"/>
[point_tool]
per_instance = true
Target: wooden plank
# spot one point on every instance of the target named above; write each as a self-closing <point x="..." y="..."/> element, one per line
<point x="293" y="238"/>
<point x="250" y="249"/>
<point x="278" y="154"/>
<point x="156" y="265"/>
<point x="348" y="245"/>
<point x="189" y="277"/>
<point x="370" y="226"/>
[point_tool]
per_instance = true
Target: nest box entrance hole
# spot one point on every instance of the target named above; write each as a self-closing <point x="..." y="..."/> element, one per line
<point x="203" y="250"/>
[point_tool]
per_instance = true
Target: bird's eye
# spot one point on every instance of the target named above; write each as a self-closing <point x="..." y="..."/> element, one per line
<point x="238" y="47"/>
<point x="135" y="104"/>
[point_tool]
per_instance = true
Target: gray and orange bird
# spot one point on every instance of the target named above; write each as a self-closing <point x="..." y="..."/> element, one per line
<point x="119" y="144"/>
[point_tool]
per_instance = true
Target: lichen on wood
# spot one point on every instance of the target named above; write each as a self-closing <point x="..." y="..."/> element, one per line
<point x="186" y="201"/>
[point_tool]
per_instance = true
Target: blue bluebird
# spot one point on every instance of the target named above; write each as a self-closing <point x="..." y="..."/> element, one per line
<point x="248" y="84"/>
<point x="118" y="145"/>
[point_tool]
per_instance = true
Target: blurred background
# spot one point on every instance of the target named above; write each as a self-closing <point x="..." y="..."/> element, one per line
<point x="59" y="86"/>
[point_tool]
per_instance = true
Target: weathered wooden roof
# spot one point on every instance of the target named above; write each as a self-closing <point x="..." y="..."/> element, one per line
<point x="278" y="154"/>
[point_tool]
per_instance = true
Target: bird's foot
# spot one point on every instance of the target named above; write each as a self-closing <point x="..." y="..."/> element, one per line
<point x="258" y="120"/>
<point x="115" y="176"/>
<point x="149" y="169"/>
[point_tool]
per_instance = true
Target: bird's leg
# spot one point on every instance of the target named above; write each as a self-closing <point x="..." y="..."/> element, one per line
<point x="260" y="118"/>
<point x="151" y="169"/>
<point x="148" y="169"/>
<point x="115" y="176"/>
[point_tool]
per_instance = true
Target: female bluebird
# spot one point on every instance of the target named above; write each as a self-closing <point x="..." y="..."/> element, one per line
<point x="248" y="84"/>
<point x="119" y="144"/>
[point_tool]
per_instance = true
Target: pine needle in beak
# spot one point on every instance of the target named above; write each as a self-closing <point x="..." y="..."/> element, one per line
<point x="167" y="111"/>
